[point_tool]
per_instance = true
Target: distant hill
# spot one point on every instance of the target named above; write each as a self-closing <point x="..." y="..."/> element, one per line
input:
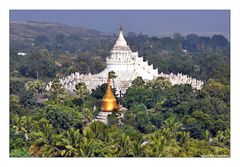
<point x="54" y="36"/>
<point x="20" y="30"/>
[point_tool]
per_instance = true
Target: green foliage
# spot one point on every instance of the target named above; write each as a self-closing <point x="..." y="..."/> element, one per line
<point x="58" y="93"/>
<point x="178" y="100"/>
<point x="138" y="108"/>
<point x="99" y="92"/>
<point x="17" y="87"/>
<point x="156" y="119"/>
<point x="60" y="117"/>
<point x="158" y="84"/>
<point x="20" y="153"/>
<point x="37" y="65"/>
<point x="180" y="122"/>
<point x="17" y="139"/>
<point x="81" y="90"/>
<point x="138" y="82"/>
<point x="35" y="86"/>
<point x="138" y="95"/>
<point x="217" y="90"/>
<point x="15" y="106"/>
<point x="141" y="121"/>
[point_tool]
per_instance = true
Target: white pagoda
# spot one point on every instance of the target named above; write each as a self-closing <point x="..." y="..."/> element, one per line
<point x="127" y="66"/>
<point x="122" y="59"/>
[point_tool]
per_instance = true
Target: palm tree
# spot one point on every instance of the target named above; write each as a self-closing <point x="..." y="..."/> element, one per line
<point x="222" y="138"/>
<point x="137" y="149"/>
<point x="36" y="86"/>
<point x="227" y="137"/>
<point x="81" y="90"/>
<point x="207" y="136"/>
<point x="73" y="144"/>
<point x="123" y="145"/>
<point x="86" y="116"/>
<point x="43" y="141"/>
<point x="69" y="143"/>
<point x="87" y="147"/>
<point x="184" y="141"/>
<point x="163" y="142"/>
<point x="22" y="125"/>
<point x="95" y="130"/>
<point x="58" y="92"/>
<point x="172" y="124"/>
<point x="157" y="143"/>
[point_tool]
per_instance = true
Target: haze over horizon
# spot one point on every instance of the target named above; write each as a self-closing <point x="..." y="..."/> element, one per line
<point x="151" y="22"/>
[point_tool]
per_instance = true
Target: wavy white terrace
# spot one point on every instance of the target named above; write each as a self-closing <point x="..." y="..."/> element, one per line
<point x="127" y="66"/>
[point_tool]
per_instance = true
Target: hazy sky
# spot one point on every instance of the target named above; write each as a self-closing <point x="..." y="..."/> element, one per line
<point x="151" y="22"/>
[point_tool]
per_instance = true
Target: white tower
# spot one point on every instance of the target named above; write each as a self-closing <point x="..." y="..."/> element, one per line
<point x="122" y="59"/>
<point x="121" y="55"/>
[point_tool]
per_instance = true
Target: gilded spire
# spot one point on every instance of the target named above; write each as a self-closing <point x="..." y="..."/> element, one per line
<point x="109" y="102"/>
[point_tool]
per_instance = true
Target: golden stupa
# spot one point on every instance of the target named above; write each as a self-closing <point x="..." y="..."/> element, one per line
<point x="109" y="102"/>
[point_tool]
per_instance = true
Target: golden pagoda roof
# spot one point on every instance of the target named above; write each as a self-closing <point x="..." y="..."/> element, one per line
<point x="109" y="102"/>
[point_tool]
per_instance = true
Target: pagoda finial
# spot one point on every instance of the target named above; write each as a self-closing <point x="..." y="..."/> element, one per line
<point x="121" y="28"/>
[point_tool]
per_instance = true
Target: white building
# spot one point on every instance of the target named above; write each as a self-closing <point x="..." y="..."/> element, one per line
<point x="127" y="66"/>
<point x="122" y="59"/>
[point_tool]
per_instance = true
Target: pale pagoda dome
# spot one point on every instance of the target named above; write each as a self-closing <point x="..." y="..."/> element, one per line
<point x="121" y="43"/>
